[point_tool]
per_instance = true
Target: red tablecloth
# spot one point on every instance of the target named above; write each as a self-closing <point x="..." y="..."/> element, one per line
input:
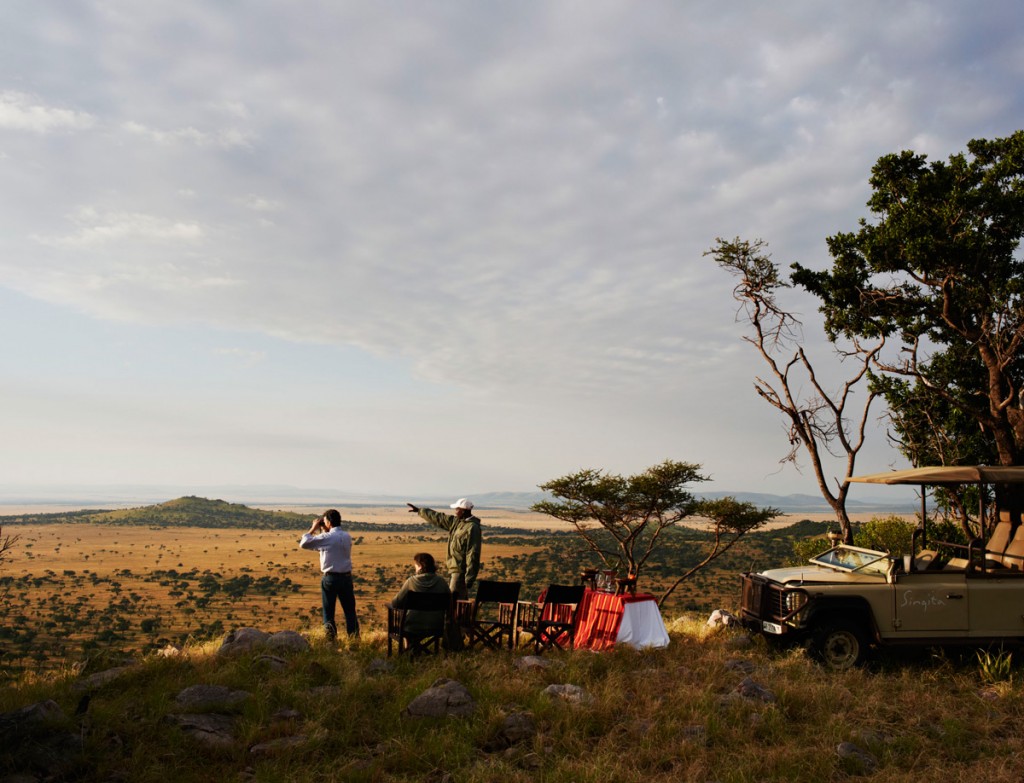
<point x="600" y="615"/>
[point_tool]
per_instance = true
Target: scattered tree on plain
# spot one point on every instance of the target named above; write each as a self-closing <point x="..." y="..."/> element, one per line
<point x="622" y="519"/>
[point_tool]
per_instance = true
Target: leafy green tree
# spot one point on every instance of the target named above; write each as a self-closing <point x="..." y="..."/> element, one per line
<point x="937" y="271"/>
<point x="621" y="518"/>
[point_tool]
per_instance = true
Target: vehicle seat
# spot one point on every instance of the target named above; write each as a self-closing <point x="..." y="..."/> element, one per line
<point x="998" y="541"/>
<point x="926" y="558"/>
<point x="1013" y="557"/>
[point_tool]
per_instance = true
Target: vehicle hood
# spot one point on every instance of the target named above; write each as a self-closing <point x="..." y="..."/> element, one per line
<point x="814" y="573"/>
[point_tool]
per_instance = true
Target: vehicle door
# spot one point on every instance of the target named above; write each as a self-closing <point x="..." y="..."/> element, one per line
<point x="932" y="602"/>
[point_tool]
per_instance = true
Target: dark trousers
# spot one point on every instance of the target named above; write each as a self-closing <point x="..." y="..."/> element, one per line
<point x="338" y="587"/>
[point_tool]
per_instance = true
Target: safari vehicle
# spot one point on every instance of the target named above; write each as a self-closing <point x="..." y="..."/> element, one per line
<point x="848" y="598"/>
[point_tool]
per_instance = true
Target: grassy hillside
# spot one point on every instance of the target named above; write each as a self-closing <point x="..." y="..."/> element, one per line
<point x="713" y="706"/>
<point x="191" y="511"/>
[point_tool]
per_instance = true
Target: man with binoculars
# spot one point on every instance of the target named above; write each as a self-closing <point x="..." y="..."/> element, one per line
<point x="335" y="547"/>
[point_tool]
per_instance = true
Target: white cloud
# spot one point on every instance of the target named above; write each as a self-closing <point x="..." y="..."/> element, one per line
<point x="22" y="112"/>
<point x="513" y="201"/>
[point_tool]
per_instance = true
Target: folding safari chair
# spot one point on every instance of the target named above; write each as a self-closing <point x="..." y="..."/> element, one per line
<point x="489" y="619"/>
<point x="416" y="643"/>
<point x="552" y="620"/>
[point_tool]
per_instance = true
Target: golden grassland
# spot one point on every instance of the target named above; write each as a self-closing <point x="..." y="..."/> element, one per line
<point x="102" y="563"/>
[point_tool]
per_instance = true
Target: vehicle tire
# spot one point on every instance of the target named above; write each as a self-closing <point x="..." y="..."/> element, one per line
<point x="840" y="645"/>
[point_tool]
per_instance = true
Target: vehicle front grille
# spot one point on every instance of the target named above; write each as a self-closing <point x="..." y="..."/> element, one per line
<point x="762" y="600"/>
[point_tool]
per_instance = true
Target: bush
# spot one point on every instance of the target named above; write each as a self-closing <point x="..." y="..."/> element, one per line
<point x="890" y="534"/>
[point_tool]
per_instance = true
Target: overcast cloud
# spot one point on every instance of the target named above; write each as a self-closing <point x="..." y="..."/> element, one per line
<point x="427" y="247"/>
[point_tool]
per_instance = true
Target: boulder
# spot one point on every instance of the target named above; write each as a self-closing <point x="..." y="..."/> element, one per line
<point x="279" y="745"/>
<point x="212" y="698"/>
<point x="242" y="640"/>
<point x="287" y="641"/>
<point x="210" y="729"/>
<point x="573" y="694"/>
<point x="442" y="699"/>
<point x="720" y="617"/>
<point x="531" y="662"/>
<point x="99" y="679"/>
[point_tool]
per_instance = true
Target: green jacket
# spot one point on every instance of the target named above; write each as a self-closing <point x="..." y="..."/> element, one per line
<point x="421" y="622"/>
<point x="464" y="542"/>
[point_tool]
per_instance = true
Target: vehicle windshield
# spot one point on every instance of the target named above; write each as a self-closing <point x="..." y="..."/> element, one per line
<point x="848" y="558"/>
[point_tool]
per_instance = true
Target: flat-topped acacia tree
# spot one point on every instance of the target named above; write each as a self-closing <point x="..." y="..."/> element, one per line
<point x="622" y="518"/>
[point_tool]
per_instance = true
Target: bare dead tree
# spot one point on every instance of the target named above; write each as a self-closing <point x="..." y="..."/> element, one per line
<point x="818" y="421"/>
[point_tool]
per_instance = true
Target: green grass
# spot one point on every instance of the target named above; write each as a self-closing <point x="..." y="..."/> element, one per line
<point x="659" y="715"/>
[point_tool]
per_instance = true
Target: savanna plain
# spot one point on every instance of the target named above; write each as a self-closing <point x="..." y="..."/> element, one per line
<point x="715" y="705"/>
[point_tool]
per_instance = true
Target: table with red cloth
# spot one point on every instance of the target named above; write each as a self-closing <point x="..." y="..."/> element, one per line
<point x="606" y="619"/>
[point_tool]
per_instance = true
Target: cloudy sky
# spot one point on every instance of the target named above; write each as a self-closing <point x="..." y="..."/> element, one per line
<point x="437" y="247"/>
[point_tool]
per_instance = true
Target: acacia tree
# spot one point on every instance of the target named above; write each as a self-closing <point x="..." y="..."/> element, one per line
<point x="6" y="542"/>
<point x="819" y="423"/>
<point x="938" y="271"/>
<point x="727" y="520"/>
<point x="622" y="519"/>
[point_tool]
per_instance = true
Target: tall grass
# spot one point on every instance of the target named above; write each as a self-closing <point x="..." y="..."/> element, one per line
<point x="658" y="715"/>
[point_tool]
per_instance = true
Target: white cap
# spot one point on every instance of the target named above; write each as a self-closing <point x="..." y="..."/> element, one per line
<point x="462" y="503"/>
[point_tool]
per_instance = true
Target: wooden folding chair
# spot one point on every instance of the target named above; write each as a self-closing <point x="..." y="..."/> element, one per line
<point x="489" y="619"/>
<point x="414" y="642"/>
<point x="552" y="621"/>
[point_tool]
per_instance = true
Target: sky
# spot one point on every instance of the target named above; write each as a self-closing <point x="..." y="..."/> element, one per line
<point x="420" y="248"/>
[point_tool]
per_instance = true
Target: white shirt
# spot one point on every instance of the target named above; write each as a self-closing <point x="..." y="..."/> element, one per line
<point x="335" y="548"/>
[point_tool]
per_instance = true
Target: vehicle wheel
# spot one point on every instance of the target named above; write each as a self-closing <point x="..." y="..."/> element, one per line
<point x="840" y="645"/>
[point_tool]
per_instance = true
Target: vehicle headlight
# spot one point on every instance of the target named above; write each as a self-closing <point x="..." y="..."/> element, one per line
<point x="795" y="600"/>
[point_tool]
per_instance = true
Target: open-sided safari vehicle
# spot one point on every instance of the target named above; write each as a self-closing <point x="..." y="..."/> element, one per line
<point x="848" y="598"/>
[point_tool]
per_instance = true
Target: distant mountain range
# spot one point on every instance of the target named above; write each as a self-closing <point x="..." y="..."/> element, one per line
<point x="898" y="499"/>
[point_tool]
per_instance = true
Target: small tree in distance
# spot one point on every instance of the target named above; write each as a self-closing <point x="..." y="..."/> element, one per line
<point x="621" y="519"/>
<point x="727" y="520"/>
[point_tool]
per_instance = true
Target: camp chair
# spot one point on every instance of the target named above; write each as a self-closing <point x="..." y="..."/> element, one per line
<point x="552" y="620"/>
<point x="417" y="643"/>
<point x="489" y="619"/>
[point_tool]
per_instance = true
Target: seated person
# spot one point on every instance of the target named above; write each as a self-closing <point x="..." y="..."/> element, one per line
<point x="425" y="580"/>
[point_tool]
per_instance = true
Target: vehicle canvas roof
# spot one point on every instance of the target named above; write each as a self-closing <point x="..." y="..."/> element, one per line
<point x="953" y="474"/>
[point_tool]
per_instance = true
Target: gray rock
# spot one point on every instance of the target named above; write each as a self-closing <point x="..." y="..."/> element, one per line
<point x="722" y="618"/>
<point x="210" y="729"/>
<point x="379" y="666"/>
<point x="272" y="662"/>
<point x="288" y="641"/>
<point x="279" y="745"/>
<point x="517" y="727"/>
<point x="530" y="662"/>
<point x="442" y="699"/>
<point x="856" y="758"/>
<point x="211" y="697"/>
<point x="286" y="714"/>
<point x="741" y="666"/>
<point x="40" y="712"/>
<point x="242" y="640"/>
<point x="99" y="679"/>
<point x="573" y="694"/>
<point x="749" y="689"/>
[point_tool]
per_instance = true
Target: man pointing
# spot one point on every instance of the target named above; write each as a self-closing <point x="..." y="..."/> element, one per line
<point x="463" y="543"/>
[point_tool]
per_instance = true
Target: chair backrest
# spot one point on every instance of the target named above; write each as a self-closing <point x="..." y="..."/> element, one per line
<point x="564" y="594"/>
<point x="427" y="602"/>
<point x="488" y="591"/>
